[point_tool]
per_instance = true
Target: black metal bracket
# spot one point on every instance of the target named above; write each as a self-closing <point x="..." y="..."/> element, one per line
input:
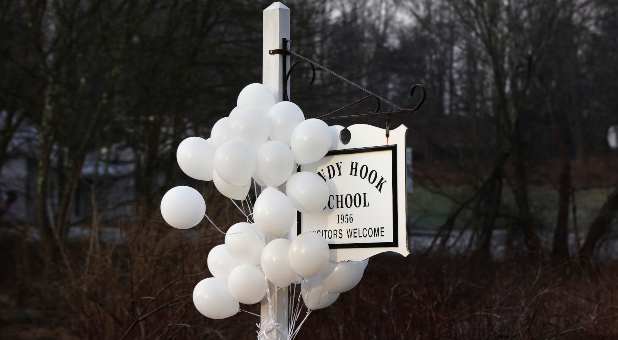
<point x="279" y="51"/>
<point x="376" y="112"/>
<point x="284" y="51"/>
<point x="287" y="76"/>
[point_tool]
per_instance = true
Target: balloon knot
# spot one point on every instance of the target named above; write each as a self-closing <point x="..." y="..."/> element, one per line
<point x="265" y="328"/>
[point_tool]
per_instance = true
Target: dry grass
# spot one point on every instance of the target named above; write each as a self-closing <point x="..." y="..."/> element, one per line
<point x="142" y="291"/>
<point x="433" y="298"/>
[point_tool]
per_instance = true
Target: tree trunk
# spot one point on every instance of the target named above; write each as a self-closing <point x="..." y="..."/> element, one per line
<point x="42" y="178"/>
<point x="520" y="189"/>
<point x="77" y="158"/>
<point x="491" y="208"/>
<point x="490" y="202"/>
<point x="600" y="226"/>
<point x="66" y="198"/>
<point x="147" y="175"/>
<point x="560" y="249"/>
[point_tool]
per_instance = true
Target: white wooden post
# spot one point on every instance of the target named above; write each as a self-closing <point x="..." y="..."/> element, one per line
<point x="276" y="26"/>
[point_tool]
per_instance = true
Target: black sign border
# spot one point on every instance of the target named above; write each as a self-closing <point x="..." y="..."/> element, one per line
<point x="395" y="242"/>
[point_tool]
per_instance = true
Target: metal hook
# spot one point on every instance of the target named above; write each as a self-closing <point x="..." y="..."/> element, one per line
<point x="378" y="104"/>
<point x="418" y="105"/>
<point x="388" y="126"/>
<point x="287" y="76"/>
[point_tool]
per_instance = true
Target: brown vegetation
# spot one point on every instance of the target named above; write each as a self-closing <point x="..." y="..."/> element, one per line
<point x="143" y="292"/>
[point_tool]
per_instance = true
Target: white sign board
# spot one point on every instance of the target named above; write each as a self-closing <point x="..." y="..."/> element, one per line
<point x="366" y="210"/>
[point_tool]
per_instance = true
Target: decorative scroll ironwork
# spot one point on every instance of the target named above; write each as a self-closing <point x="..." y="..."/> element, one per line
<point x="336" y="114"/>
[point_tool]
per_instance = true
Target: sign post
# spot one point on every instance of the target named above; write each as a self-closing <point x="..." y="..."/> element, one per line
<point x="276" y="26"/>
<point x="366" y="210"/>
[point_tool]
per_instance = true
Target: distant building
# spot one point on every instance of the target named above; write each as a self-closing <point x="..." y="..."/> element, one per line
<point x="108" y="185"/>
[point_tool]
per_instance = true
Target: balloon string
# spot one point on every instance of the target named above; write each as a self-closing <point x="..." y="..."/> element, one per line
<point x="249" y="207"/>
<point x="268" y="323"/>
<point x="297" y="310"/>
<point x="292" y="306"/>
<point x="242" y="205"/>
<point x="291" y="296"/>
<point x="292" y="316"/>
<point x="248" y="312"/>
<point x="239" y="209"/>
<point x="255" y="191"/>
<point x="214" y="224"/>
<point x="301" y="324"/>
<point x="298" y="307"/>
<point x="249" y="201"/>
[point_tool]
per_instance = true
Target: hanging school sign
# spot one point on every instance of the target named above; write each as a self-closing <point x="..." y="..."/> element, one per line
<point x="366" y="210"/>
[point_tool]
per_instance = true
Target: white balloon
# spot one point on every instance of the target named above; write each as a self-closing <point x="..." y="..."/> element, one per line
<point x="258" y="181"/>
<point x="332" y="262"/>
<point x="220" y="262"/>
<point x="236" y="192"/>
<point x="309" y="254"/>
<point x="336" y="131"/>
<point x="345" y="276"/>
<point x="310" y="141"/>
<point x="247" y="284"/>
<point x="235" y="111"/>
<point x="211" y="299"/>
<point x="364" y="263"/>
<point x="275" y="263"/>
<point x="245" y="242"/>
<point x="284" y="116"/>
<point x="275" y="163"/>
<point x="220" y="132"/>
<point x="274" y="213"/>
<point x="308" y="191"/>
<point x="256" y="96"/>
<point x="235" y="162"/>
<point x="326" y="270"/>
<point x="316" y="296"/>
<point x="249" y="125"/>
<point x="183" y="207"/>
<point x="195" y="157"/>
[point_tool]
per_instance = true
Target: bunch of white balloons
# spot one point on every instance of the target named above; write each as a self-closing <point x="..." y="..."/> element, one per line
<point x="263" y="141"/>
